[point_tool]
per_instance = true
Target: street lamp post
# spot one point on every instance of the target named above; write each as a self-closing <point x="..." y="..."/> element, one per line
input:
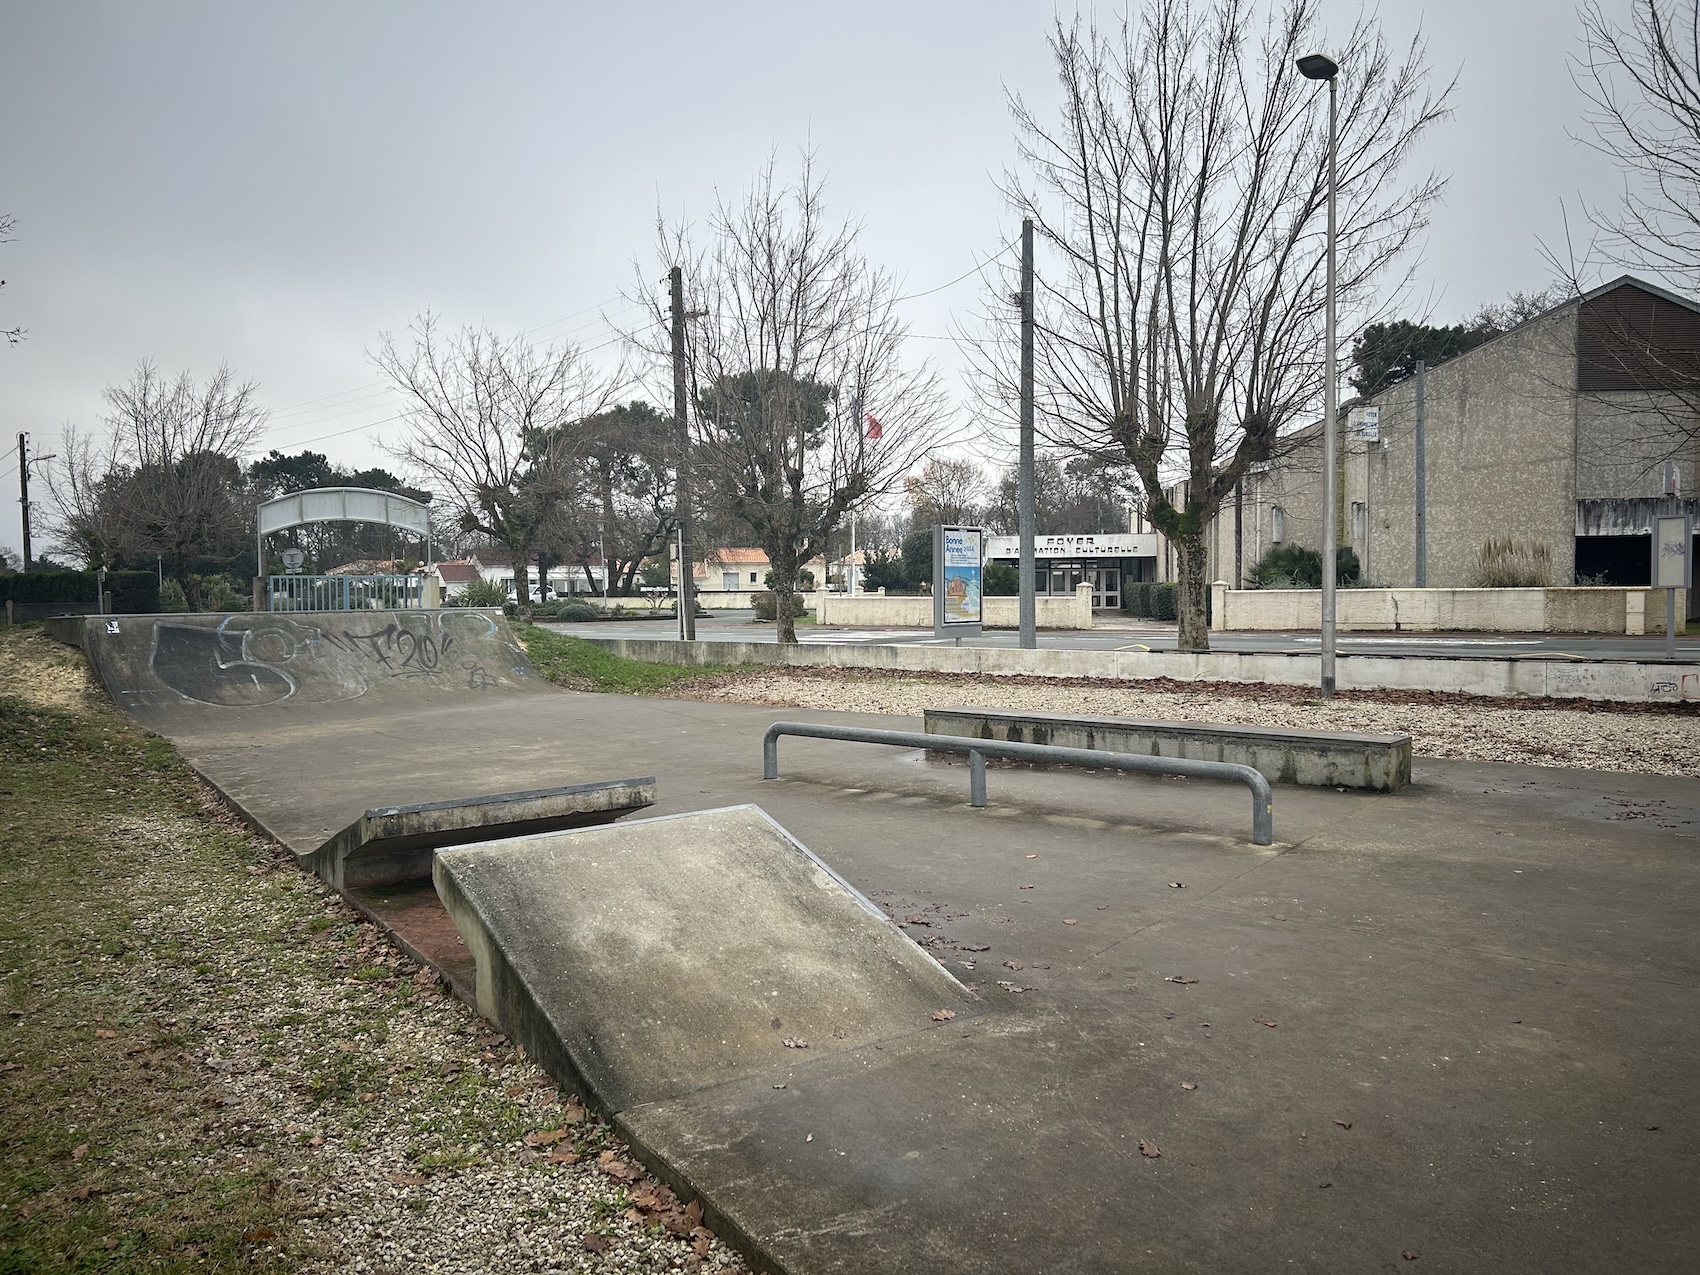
<point x="1316" y="66"/>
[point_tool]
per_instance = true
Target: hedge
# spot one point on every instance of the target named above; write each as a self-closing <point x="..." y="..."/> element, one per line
<point x="133" y="592"/>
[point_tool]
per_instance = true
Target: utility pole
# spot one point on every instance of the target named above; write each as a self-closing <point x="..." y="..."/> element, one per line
<point x="1422" y="480"/>
<point x="1029" y="603"/>
<point x="24" y="491"/>
<point x="681" y="483"/>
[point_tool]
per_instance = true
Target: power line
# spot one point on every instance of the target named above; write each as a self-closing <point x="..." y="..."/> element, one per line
<point x="910" y="296"/>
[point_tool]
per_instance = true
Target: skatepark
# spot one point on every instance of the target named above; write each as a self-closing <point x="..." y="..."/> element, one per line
<point x="1090" y="1026"/>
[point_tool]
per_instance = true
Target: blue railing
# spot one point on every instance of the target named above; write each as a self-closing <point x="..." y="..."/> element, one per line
<point x="346" y="593"/>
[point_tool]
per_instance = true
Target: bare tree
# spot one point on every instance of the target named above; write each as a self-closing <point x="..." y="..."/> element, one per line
<point x="169" y="481"/>
<point x="1183" y="193"/>
<point x="9" y="223"/>
<point x="1643" y="85"/>
<point x="797" y="355"/>
<point x="497" y="424"/>
<point x="949" y="489"/>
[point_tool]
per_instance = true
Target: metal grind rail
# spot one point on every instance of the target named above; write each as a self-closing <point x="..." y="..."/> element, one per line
<point x="977" y="750"/>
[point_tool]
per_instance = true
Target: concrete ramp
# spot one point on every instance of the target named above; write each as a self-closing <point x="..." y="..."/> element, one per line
<point x="194" y="673"/>
<point x="392" y="844"/>
<point x="663" y="956"/>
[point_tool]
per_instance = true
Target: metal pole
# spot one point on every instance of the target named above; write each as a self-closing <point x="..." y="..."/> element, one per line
<point x="1422" y="480"/>
<point x="1330" y="411"/>
<point x="1029" y="604"/>
<point x="1670" y="624"/>
<point x="24" y="491"/>
<point x="682" y="481"/>
<point x="1239" y="539"/>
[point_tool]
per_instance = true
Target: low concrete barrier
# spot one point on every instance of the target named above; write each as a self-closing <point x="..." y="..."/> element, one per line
<point x="1318" y="759"/>
<point x="1568" y="610"/>
<point x="878" y="610"/>
<point x="1626" y="680"/>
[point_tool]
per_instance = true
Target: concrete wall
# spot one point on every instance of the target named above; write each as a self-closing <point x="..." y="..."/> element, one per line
<point x="1623" y="440"/>
<point x="878" y="611"/>
<point x="1566" y="610"/>
<point x="1625" y="680"/>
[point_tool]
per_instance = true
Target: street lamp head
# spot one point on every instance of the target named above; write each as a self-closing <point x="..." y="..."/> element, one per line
<point x="1318" y="66"/>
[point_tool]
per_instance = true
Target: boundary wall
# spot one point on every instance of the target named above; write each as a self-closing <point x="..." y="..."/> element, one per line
<point x="1633" y="612"/>
<point x="1625" y="680"/>
<point x="878" y="611"/>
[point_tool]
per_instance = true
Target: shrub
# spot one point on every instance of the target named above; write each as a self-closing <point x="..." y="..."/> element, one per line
<point x="767" y="605"/>
<point x="1000" y="580"/>
<point x="1514" y="564"/>
<point x="483" y="593"/>
<point x="1292" y="566"/>
<point x="570" y="610"/>
<point x="882" y="570"/>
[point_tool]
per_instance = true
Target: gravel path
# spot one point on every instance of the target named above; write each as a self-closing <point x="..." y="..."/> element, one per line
<point x="1589" y="737"/>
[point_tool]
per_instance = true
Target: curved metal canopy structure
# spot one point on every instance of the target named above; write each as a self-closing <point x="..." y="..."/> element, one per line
<point x="340" y="504"/>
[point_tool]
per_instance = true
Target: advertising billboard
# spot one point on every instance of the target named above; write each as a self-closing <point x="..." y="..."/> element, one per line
<point x="957" y="556"/>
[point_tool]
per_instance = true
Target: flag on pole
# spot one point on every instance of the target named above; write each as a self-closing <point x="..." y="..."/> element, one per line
<point x="875" y="429"/>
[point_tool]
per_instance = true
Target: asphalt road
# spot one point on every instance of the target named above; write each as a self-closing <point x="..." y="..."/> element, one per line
<point x="739" y="626"/>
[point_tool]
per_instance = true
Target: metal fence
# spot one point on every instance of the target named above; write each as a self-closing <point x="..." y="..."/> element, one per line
<point x="345" y="593"/>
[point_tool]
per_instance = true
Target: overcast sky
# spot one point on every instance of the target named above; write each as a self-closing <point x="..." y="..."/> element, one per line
<point x="273" y="186"/>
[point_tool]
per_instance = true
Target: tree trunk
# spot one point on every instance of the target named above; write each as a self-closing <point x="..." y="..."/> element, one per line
<point x="1193" y="595"/>
<point x="522" y="574"/>
<point x="784" y="589"/>
<point x="191" y="587"/>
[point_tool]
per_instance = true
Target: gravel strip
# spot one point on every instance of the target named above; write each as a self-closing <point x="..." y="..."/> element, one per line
<point x="398" y="1131"/>
<point x="1652" y="741"/>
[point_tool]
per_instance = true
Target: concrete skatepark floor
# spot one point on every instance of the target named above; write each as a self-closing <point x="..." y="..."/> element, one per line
<point x="1456" y="1021"/>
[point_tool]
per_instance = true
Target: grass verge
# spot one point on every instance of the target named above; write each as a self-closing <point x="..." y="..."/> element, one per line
<point x="208" y="1062"/>
<point x="579" y="665"/>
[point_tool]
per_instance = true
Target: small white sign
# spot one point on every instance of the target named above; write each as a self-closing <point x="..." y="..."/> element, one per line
<point x="1673" y="536"/>
<point x="1365" y="423"/>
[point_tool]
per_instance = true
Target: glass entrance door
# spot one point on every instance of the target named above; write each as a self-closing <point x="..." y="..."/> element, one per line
<point x="1107" y="589"/>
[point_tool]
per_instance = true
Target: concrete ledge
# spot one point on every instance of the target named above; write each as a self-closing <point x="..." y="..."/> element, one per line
<point x="1626" y="680"/>
<point x="1315" y="759"/>
<point x="391" y="844"/>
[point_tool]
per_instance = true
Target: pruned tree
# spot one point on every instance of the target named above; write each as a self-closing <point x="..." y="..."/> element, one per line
<point x="167" y="480"/>
<point x="496" y="425"/>
<point x="1182" y="194"/>
<point x="1642" y="82"/>
<point x="799" y="343"/>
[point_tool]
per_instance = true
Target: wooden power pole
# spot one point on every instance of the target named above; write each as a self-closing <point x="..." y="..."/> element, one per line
<point x="24" y="491"/>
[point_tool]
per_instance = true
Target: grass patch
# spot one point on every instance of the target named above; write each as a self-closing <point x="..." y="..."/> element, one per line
<point x="579" y="665"/>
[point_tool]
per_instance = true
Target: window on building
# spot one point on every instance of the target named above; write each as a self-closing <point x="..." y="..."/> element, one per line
<point x="729" y="581"/>
<point x="752" y="577"/>
<point x="1278" y="524"/>
<point x="1360" y="520"/>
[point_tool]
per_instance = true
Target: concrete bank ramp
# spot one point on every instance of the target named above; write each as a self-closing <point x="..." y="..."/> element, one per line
<point x="663" y="956"/>
<point x="176" y="672"/>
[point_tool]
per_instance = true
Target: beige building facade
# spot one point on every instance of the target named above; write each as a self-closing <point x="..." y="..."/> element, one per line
<point x="1560" y="433"/>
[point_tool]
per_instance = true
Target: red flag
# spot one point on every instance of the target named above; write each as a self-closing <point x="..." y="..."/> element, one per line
<point x="875" y="429"/>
